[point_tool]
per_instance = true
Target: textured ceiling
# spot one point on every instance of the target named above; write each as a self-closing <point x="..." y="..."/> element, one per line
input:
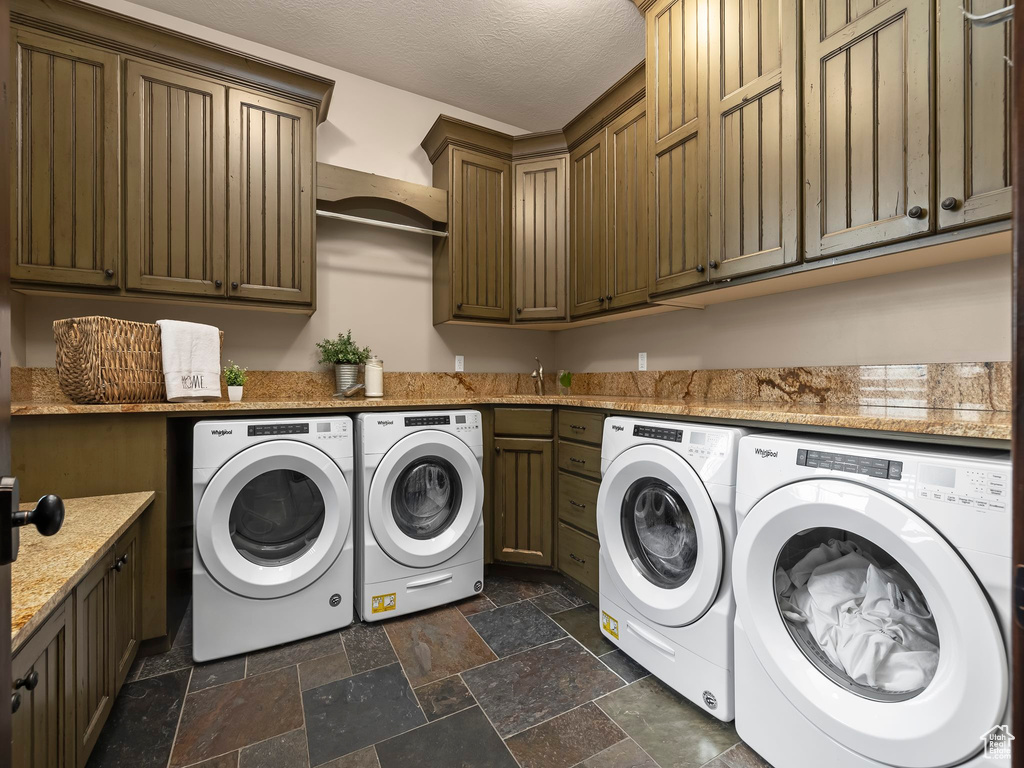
<point x="531" y="63"/>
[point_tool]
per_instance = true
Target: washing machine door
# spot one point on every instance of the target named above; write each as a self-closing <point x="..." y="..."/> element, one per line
<point x="660" y="534"/>
<point x="273" y="519"/>
<point x="890" y="701"/>
<point x="426" y="498"/>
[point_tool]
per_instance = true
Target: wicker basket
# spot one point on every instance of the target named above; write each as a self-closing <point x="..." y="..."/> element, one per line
<point x="103" y="360"/>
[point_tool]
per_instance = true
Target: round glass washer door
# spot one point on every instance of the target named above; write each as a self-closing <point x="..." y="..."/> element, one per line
<point x="660" y="534"/>
<point x="936" y="725"/>
<point x="273" y="519"/>
<point x="426" y="498"/>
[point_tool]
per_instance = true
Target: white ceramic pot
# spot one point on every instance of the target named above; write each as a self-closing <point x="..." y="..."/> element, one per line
<point x="235" y="394"/>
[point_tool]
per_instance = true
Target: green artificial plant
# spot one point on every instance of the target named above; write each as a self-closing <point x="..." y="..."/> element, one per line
<point x="342" y="351"/>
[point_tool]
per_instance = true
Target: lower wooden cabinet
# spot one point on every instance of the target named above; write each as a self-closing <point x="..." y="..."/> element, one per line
<point x="577" y="556"/>
<point x="68" y="673"/>
<point x="42" y="671"/>
<point x="522" y="496"/>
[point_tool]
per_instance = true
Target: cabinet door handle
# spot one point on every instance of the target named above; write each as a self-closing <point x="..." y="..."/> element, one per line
<point x="218" y="283"/>
<point x="234" y="285"/>
<point x="29" y="682"/>
<point x="580" y="560"/>
<point x="519" y="310"/>
<point x="108" y="272"/>
<point x="948" y="204"/>
<point x="577" y="504"/>
<point x="15" y="702"/>
<point x="459" y="305"/>
<point x="601" y="299"/>
<point x="700" y="267"/>
<point x="916" y="212"/>
<point x="578" y="427"/>
<point x="714" y="264"/>
<point x="609" y="297"/>
<point x="574" y="460"/>
<point x="120" y="563"/>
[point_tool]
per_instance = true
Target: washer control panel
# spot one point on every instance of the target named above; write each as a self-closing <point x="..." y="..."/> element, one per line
<point x="845" y="462"/>
<point x="658" y="433"/>
<point x="429" y="421"/>
<point x="266" y="430"/>
<point x="976" y="488"/>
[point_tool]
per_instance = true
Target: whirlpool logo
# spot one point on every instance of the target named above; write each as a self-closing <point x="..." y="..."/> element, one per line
<point x="221" y="432"/>
<point x="617" y="428"/>
<point x="385" y="422"/>
<point x="765" y="453"/>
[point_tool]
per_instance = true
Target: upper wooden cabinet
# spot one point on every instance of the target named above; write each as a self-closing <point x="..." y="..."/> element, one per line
<point x="175" y="160"/>
<point x="218" y="151"/>
<point x="754" y="169"/>
<point x="271" y="229"/>
<point x="867" y="123"/>
<point x="66" y="162"/>
<point x="540" y="242"/>
<point x="587" y="234"/>
<point x="626" y="214"/>
<point x="677" y="125"/>
<point x="974" y="116"/>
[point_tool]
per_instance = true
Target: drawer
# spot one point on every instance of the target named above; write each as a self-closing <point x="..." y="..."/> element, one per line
<point x="584" y="459"/>
<point x="585" y="426"/>
<point x="577" y="501"/>
<point x="577" y="556"/>
<point x="536" y="422"/>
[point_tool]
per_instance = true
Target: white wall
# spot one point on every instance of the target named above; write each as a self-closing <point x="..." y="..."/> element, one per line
<point x="375" y="281"/>
<point x="954" y="313"/>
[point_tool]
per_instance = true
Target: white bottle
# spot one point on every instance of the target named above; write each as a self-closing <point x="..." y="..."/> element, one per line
<point x="373" y="377"/>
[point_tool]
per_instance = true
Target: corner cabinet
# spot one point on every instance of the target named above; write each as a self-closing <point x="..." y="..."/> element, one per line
<point x="540" y="243"/>
<point x="523" y="517"/>
<point x="588" y="262"/>
<point x="219" y="196"/>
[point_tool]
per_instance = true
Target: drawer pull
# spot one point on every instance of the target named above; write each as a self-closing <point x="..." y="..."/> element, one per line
<point x="578" y="559"/>
<point x="574" y="460"/>
<point x="578" y="427"/>
<point x="577" y="504"/>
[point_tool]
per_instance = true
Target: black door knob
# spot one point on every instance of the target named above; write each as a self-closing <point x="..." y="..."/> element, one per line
<point x="714" y="264"/>
<point x="108" y="272"/>
<point x="601" y="299"/>
<point x="915" y="212"/>
<point x="948" y="204"/>
<point x="459" y="305"/>
<point x="700" y="267"/>
<point x="15" y="702"/>
<point x="47" y="517"/>
<point x="217" y="283"/>
<point x="519" y="310"/>
<point x="29" y="683"/>
<point x="120" y="563"/>
<point x="609" y="297"/>
<point x="234" y="285"/>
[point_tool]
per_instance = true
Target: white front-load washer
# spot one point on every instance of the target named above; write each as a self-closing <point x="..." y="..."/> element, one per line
<point x="419" y="516"/>
<point x="666" y="524"/>
<point x="872" y="603"/>
<point x="272" y="559"/>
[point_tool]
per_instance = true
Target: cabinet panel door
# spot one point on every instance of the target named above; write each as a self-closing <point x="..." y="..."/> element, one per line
<point x="481" y="235"/>
<point x="94" y="657"/>
<point x="65" y="220"/>
<point x="588" y="266"/>
<point x="175" y="198"/>
<point x="523" y="501"/>
<point x="867" y="107"/>
<point x="43" y="728"/>
<point x="677" y="120"/>
<point x="754" y="179"/>
<point x="127" y="604"/>
<point x="541" y="245"/>
<point x="974" y="115"/>
<point x="628" y="267"/>
<point x="272" y="200"/>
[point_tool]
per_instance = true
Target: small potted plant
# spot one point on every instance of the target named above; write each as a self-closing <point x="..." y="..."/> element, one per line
<point x="234" y="377"/>
<point x="565" y="382"/>
<point x="346" y="356"/>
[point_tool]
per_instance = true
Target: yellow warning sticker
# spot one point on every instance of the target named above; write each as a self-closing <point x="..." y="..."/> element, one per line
<point x="383" y="603"/>
<point x="610" y="625"/>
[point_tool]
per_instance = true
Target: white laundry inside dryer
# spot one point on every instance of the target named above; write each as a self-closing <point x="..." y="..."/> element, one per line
<point x="871" y="622"/>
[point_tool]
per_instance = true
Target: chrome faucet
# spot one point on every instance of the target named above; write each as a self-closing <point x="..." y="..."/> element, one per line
<point x="538" y="374"/>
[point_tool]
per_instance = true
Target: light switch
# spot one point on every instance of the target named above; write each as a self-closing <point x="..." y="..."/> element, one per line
<point x="642" y="361"/>
<point x="460" y="363"/>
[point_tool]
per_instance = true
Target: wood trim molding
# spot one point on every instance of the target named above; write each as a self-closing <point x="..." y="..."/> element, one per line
<point x="336" y="185"/>
<point x="629" y="90"/>
<point x="451" y="130"/>
<point x="148" y="42"/>
<point x="643" y="5"/>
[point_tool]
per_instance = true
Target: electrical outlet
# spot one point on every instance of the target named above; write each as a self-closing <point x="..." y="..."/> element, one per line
<point x="460" y="363"/>
<point x="642" y="361"/>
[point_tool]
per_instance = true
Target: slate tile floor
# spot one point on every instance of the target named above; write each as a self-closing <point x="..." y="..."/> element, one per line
<point x="518" y="677"/>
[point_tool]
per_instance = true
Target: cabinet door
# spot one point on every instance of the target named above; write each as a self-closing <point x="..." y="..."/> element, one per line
<point x="677" y="120"/>
<point x="94" y="657"/>
<point x="754" y="169"/>
<point x="974" y="115"/>
<point x="628" y="267"/>
<point x="175" y="200"/>
<point x="588" y="266"/>
<point x="480" y="235"/>
<point x="65" y="220"/>
<point x="523" y="501"/>
<point x="541" y="247"/>
<point x="127" y="604"/>
<point x="271" y="198"/>
<point x="43" y="731"/>
<point x="867" y="109"/>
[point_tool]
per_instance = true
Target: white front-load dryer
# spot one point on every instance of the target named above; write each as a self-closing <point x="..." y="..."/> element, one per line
<point x="873" y="602"/>
<point x="419" y="516"/>
<point x="273" y="547"/>
<point x="666" y="524"/>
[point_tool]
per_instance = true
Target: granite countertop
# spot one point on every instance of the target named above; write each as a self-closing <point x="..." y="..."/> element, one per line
<point x="49" y="567"/>
<point x="960" y="423"/>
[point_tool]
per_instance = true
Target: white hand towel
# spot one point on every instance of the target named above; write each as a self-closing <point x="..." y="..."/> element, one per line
<point x="191" y="355"/>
